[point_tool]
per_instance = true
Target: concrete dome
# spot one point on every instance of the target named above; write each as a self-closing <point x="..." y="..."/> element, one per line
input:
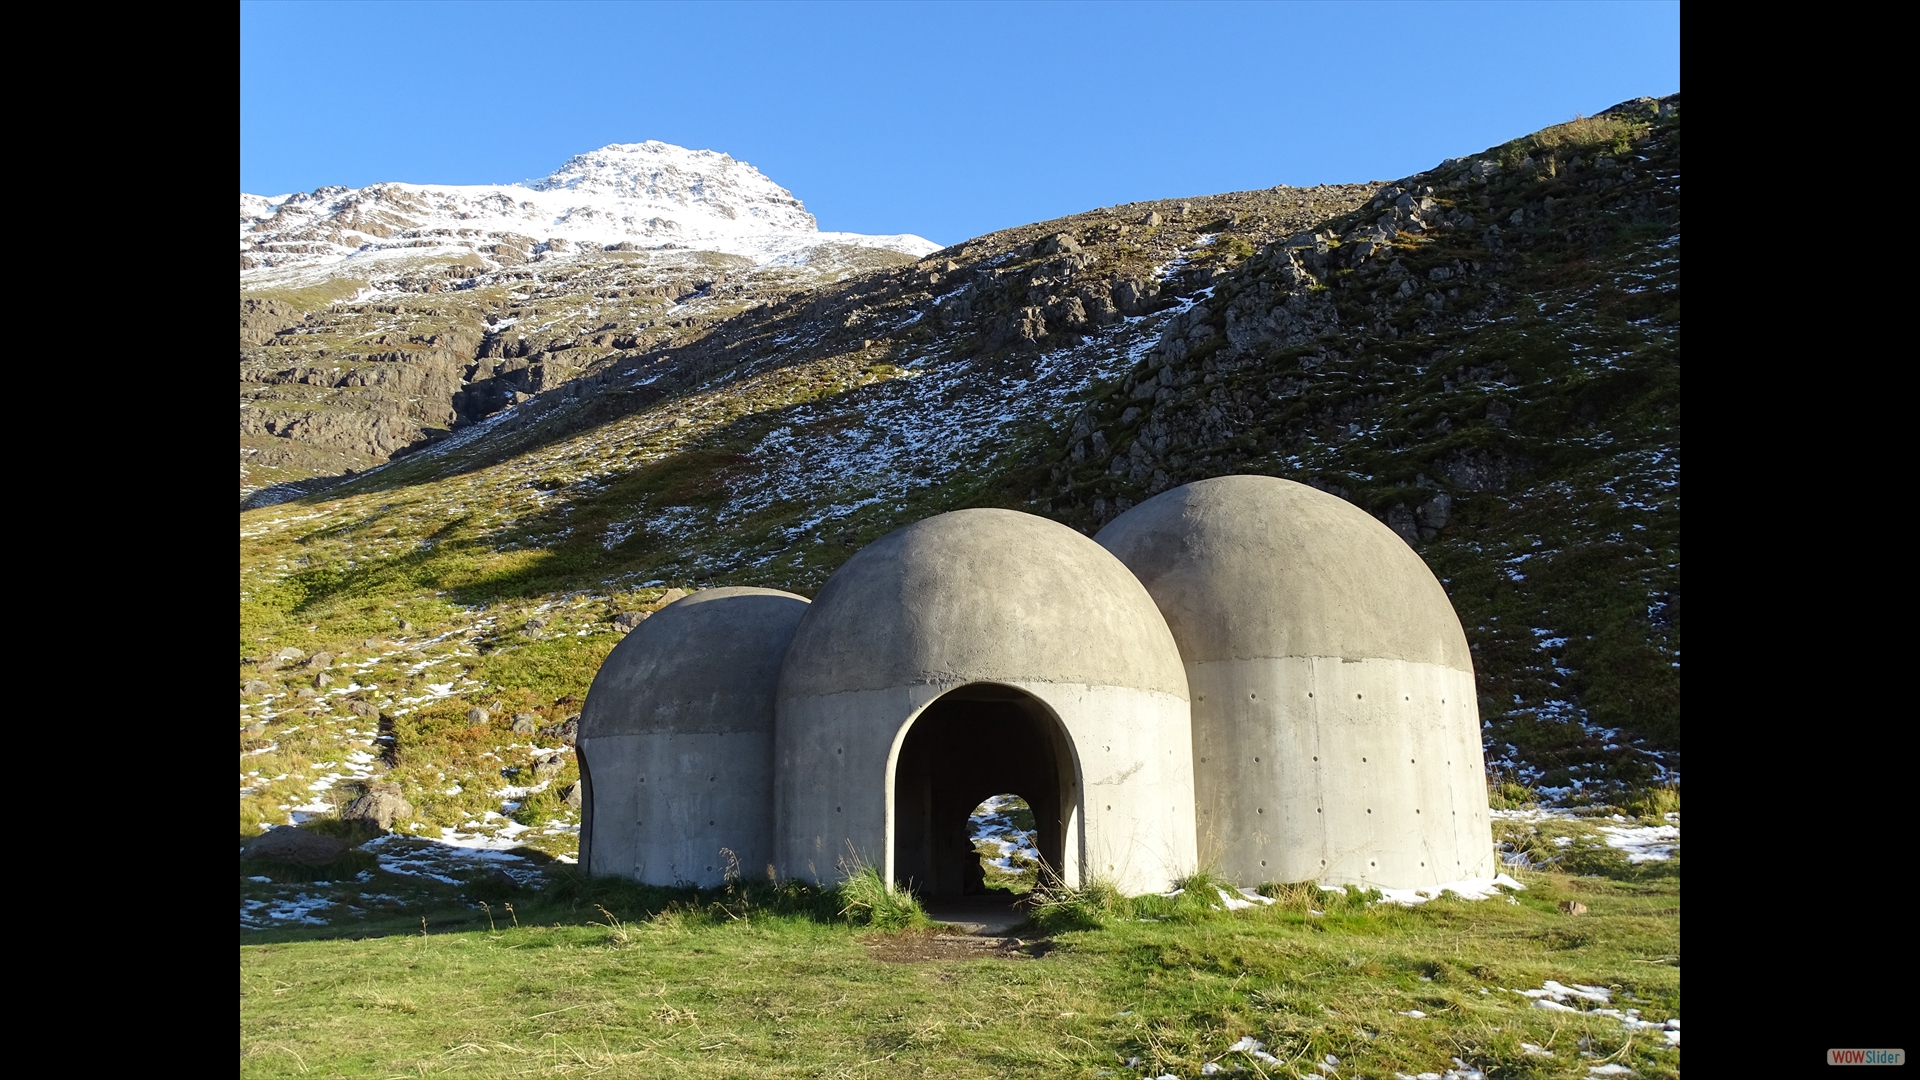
<point x="981" y="595"/>
<point x="1336" y="733"/>
<point x="1256" y="566"/>
<point x="676" y="739"/>
<point x="1023" y="622"/>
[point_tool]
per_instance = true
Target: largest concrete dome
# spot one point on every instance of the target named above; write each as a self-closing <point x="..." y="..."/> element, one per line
<point x="1335" y="728"/>
<point x="676" y="740"/>
<point x="976" y="653"/>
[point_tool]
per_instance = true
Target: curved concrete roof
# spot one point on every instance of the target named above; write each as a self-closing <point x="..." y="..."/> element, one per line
<point x="708" y="662"/>
<point x="981" y="595"/>
<point x="1255" y="566"/>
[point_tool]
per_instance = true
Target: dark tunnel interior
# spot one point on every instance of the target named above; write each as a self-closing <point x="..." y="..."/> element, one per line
<point x="977" y="741"/>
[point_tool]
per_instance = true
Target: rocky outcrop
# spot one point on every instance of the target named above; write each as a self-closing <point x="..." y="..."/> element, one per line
<point x="1433" y="358"/>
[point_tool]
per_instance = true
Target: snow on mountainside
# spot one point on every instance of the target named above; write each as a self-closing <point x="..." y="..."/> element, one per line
<point x="650" y="195"/>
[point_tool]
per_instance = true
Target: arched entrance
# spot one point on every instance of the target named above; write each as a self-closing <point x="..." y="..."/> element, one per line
<point x="977" y="741"/>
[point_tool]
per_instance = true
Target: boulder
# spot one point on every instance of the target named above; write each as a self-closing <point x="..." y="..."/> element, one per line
<point x="1151" y="219"/>
<point x="669" y="597"/>
<point x="478" y="716"/>
<point x="1066" y="312"/>
<point x="1401" y="520"/>
<point x="289" y="654"/>
<point x="255" y="687"/>
<point x="366" y="710"/>
<point x="566" y="731"/>
<point x="379" y="808"/>
<point x="322" y="680"/>
<point x="626" y="621"/>
<point x="1059" y="244"/>
<point x="1131" y="294"/>
<point x="573" y="795"/>
<point x="319" y="661"/>
<point x="1573" y="907"/>
<point x="1434" y="514"/>
<point x="549" y="765"/>
<point x="295" y="845"/>
<point x="1098" y="305"/>
<point x="525" y="723"/>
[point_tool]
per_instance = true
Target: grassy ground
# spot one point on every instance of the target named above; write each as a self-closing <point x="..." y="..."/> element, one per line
<point x="701" y="990"/>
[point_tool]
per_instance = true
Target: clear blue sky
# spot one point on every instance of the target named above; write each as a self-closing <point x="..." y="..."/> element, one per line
<point x="947" y="120"/>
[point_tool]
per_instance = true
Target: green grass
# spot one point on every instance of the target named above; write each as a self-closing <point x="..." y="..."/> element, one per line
<point x="867" y="899"/>
<point x="311" y="297"/>
<point x="609" y="977"/>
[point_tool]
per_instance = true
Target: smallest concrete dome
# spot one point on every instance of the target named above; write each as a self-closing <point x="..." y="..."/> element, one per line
<point x="676" y="740"/>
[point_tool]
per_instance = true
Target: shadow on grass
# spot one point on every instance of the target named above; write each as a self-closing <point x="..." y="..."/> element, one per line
<point x="482" y="897"/>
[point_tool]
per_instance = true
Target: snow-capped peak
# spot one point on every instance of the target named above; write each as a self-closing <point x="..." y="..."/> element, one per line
<point x="660" y="173"/>
<point x="648" y="195"/>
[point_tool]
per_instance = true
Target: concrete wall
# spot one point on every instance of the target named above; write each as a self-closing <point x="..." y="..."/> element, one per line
<point x="1324" y="769"/>
<point x="1133" y="815"/>
<point x="680" y="802"/>
<point x="676" y="740"/>
<point x="1135" y="751"/>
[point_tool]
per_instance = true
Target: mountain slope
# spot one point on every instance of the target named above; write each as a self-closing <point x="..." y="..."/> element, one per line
<point x="1490" y="366"/>
<point x="1487" y="358"/>
<point x="375" y="321"/>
